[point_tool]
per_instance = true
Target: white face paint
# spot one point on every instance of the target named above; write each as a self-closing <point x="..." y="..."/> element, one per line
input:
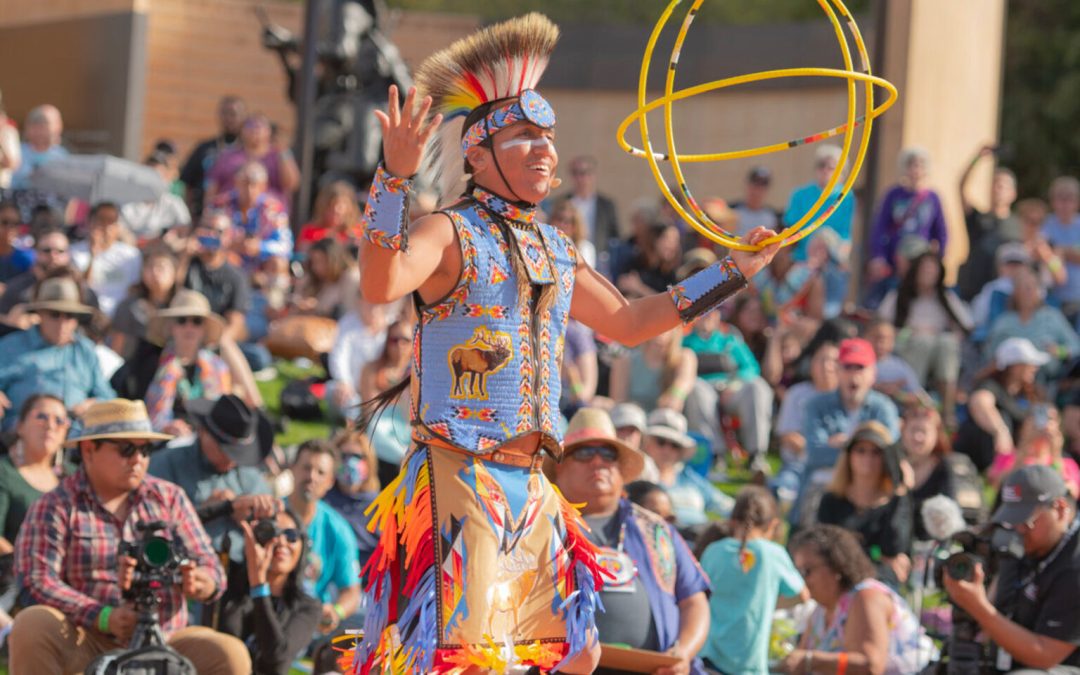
<point x="541" y="142"/>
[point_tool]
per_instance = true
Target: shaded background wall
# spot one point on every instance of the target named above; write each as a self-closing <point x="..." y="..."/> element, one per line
<point x="127" y="72"/>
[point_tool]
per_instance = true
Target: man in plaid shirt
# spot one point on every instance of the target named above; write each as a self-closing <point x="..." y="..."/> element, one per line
<point x="66" y="556"/>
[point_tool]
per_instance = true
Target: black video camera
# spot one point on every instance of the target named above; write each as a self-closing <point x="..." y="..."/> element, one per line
<point x="157" y="566"/>
<point x="986" y="546"/>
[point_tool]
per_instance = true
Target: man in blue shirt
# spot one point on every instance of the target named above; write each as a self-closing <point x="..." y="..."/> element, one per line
<point x="825" y="163"/>
<point x="219" y="470"/>
<point x="332" y="575"/>
<point x="1061" y="229"/>
<point x="43" y="129"/>
<point x="51" y="357"/>
<point x="656" y="595"/>
<point x="831" y="417"/>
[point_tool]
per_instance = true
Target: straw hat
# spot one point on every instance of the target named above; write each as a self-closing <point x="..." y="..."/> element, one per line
<point x="186" y="303"/>
<point x="117" y="419"/>
<point x="592" y="426"/>
<point x="59" y="294"/>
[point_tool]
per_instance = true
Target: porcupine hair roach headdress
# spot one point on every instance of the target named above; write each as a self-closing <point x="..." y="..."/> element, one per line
<point x="481" y="84"/>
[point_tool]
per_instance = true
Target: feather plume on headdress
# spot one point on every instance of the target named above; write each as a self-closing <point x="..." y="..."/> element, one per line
<point x="498" y="62"/>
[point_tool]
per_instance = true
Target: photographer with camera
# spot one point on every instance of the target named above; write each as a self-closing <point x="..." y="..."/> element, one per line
<point x="1034" y="618"/>
<point x="70" y="557"/>
<point x="265" y="603"/>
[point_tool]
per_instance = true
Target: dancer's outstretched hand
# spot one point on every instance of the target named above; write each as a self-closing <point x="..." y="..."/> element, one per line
<point x="752" y="262"/>
<point x="404" y="132"/>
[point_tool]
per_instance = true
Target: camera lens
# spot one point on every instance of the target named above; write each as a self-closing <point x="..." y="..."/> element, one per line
<point x="960" y="567"/>
<point x="156" y="551"/>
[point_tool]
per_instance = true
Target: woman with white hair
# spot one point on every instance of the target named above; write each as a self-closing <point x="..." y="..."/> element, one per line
<point x="908" y="208"/>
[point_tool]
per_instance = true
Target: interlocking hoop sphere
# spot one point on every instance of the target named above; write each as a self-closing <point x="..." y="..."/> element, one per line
<point x="821" y="210"/>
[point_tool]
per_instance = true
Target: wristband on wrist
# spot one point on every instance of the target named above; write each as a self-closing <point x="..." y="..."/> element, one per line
<point x="679" y="393"/>
<point x="261" y="591"/>
<point x="1054" y="264"/>
<point x="386" y="214"/>
<point x="841" y="663"/>
<point x="809" y="661"/>
<point x="339" y="610"/>
<point x="103" y="618"/>
<point x="701" y="292"/>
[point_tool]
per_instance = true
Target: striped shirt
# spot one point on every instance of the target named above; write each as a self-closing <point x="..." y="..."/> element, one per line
<point x="66" y="552"/>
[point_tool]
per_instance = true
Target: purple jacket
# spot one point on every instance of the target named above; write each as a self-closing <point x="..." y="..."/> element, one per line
<point x="905" y="212"/>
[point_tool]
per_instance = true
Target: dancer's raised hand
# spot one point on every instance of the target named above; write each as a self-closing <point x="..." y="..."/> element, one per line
<point x="405" y="133"/>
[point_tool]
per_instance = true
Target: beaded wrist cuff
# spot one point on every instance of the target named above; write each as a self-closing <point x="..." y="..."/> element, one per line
<point x="701" y="292"/>
<point x="386" y="215"/>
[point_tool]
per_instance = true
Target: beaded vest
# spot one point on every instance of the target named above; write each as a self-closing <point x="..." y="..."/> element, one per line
<point x="486" y="363"/>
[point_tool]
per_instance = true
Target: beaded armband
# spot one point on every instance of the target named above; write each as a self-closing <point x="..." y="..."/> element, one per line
<point x="698" y="293"/>
<point x="386" y="215"/>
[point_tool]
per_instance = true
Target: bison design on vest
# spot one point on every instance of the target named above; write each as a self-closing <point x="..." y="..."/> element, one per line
<point x="486" y="352"/>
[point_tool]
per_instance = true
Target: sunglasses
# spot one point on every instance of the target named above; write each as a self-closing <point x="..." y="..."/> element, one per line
<point x="666" y="442"/>
<point x="52" y="251"/>
<point x="53" y="314"/>
<point x="193" y="320"/>
<point x="1029" y="524"/>
<point x="291" y="534"/>
<point x="586" y="453"/>
<point x="853" y="367"/>
<point x="59" y="420"/>
<point x="128" y="449"/>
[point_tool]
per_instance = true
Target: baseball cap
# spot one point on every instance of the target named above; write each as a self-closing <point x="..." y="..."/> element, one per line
<point x="1025" y="490"/>
<point x="760" y="175"/>
<point x="628" y="415"/>
<point x="857" y="351"/>
<point x="1013" y="252"/>
<point x="1019" y="351"/>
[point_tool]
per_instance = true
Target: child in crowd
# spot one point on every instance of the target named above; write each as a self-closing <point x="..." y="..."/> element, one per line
<point x="748" y="572"/>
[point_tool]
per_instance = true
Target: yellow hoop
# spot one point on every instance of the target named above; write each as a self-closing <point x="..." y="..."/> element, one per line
<point x="699" y="220"/>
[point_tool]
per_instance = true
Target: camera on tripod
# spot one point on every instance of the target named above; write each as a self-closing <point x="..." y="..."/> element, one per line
<point x="157" y="567"/>
<point x="986" y="546"/>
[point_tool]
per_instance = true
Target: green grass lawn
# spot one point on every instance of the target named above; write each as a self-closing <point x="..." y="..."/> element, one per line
<point x="297" y="431"/>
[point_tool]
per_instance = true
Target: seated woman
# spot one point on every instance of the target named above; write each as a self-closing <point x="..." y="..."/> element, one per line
<point x="155" y="290"/>
<point x="567" y="218"/>
<point x="935" y="469"/>
<point x="336" y="217"/>
<point x="868" y="497"/>
<point x="360" y="338"/>
<point x="999" y="402"/>
<point x="330" y="279"/>
<point x="393" y="364"/>
<point x="31" y="468"/>
<point x="659" y="373"/>
<point x="932" y="323"/>
<point x="356" y="486"/>
<point x="188" y="369"/>
<point x="1040" y="442"/>
<point x="860" y="625"/>
<point x="266" y="606"/>
<point x="1030" y="317"/>
<point x="693" y="497"/>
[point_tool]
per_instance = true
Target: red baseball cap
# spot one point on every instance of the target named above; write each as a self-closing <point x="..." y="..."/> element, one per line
<point x="857" y="351"/>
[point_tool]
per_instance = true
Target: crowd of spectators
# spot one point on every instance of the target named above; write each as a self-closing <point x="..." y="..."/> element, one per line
<point x="848" y="406"/>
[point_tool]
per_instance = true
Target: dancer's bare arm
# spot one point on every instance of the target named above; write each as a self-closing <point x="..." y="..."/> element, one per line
<point x="600" y="306"/>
